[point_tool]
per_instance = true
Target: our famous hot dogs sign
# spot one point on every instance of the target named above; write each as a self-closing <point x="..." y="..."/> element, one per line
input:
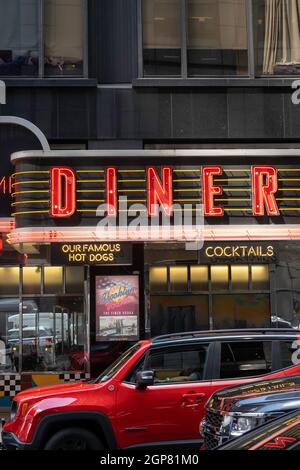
<point x="117" y="308"/>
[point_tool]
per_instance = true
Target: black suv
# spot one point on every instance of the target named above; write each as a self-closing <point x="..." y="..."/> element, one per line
<point x="235" y="411"/>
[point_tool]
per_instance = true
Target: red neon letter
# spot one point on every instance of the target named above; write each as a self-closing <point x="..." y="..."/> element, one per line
<point x="111" y="192"/>
<point x="3" y="185"/>
<point x="160" y="192"/>
<point x="209" y="191"/>
<point x="264" y="186"/>
<point x="63" y="192"/>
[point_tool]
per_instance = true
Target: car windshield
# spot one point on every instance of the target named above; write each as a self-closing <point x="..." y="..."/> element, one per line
<point x="116" y="366"/>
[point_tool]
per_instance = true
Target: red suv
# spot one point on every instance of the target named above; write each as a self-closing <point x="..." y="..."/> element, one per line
<point x="154" y="394"/>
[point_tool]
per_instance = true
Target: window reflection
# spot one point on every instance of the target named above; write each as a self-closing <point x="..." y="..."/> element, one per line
<point x="19" y="37"/>
<point x="54" y="334"/>
<point x="217" y="37"/>
<point x="161" y="37"/>
<point x="9" y="318"/>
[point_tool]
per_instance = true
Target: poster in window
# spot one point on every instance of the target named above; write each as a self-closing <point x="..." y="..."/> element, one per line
<point x="117" y="308"/>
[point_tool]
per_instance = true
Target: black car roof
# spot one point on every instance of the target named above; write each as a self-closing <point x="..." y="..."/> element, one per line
<point x="216" y="335"/>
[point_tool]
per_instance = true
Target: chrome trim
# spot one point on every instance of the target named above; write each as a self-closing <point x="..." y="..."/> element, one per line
<point x="137" y="154"/>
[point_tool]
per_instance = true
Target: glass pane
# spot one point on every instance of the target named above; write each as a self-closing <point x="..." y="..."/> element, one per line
<point x="19" y="37"/>
<point x="289" y="353"/>
<point x="241" y="311"/>
<point x="161" y="37"/>
<point x="179" y="278"/>
<point x="54" y="334"/>
<point x="260" y="277"/>
<point x="174" y="314"/>
<point x="277" y="37"/>
<point x="74" y="280"/>
<point x="9" y="281"/>
<point x="63" y="37"/>
<point x="53" y="280"/>
<point x="158" y="279"/>
<point x="32" y="280"/>
<point x="9" y="335"/>
<point x="178" y="366"/>
<point x="199" y="278"/>
<point x="240" y="277"/>
<point x="246" y="359"/>
<point x="217" y="37"/>
<point x="219" y="277"/>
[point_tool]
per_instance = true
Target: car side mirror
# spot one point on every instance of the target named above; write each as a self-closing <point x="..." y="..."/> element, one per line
<point x="144" y="379"/>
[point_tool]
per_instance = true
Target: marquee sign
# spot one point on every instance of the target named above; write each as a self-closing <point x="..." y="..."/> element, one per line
<point x="64" y="194"/>
<point x="159" y="190"/>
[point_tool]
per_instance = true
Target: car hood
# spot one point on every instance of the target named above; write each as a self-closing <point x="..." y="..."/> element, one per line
<point x="263" y="396"/>
<point x="39" y="393"/>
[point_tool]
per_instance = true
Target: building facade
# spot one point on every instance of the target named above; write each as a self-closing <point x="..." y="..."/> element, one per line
<point x="118" y="88"/>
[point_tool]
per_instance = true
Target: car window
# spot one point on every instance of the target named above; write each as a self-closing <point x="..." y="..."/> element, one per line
<point x="245" y="359"/>
<point x="118" y="364"/>
<point x="131" y="377"/>
<point x="290" y="353"/>
<point x="178" y="365"/>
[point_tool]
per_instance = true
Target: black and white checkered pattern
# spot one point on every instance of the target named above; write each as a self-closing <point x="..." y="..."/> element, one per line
<point x="74" y="377"/>
<point x="10" y="384"/>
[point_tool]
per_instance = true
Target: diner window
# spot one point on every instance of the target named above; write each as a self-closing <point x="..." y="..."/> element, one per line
<point x="43" y="323"/>
<point x="53" y="334"/>
<point x="42" y="38"/>
<point x="217" y="37"/>
<point x="277" y="37"/>
<point x="9" y="335"/>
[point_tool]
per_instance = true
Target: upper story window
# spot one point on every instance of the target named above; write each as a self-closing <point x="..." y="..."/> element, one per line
<point x="198" y="38"/>
<point x="162" y="37"/>
<point x="277" y="31"/>
<point x="211" y="36"/>
<point x="217" y="37"/>
<point x="42" y="38"/>
<point x="19" y="33"/>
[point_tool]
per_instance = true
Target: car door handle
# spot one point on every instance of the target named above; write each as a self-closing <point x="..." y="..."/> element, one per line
<point x="192" y="399"/>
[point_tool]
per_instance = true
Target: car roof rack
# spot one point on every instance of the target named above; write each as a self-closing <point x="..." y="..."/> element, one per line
<point x="195" y="334"/>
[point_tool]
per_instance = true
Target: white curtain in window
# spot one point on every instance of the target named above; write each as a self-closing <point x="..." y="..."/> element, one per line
<point x="282" y="34"/>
